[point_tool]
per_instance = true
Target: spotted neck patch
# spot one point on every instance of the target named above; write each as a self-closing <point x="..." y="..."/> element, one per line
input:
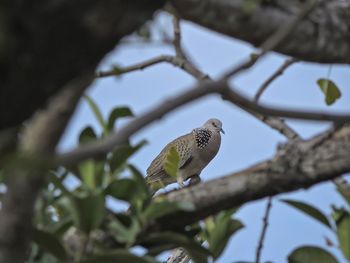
<point x="202" y="137"/>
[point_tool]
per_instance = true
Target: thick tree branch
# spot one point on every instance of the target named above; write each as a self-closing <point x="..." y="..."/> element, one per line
<point x="297" y="165"/>
<point x="24" y="180"/>
<point x="47" y="43"/>
<point x="324" y="34"/>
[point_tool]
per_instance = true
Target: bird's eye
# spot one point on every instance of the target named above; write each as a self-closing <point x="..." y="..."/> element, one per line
<point x="213" y="124"/>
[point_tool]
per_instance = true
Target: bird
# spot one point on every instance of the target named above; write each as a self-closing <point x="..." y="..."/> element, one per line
<point x="195" y="149"/>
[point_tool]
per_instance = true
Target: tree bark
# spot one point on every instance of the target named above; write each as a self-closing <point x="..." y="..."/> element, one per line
<point x="46" y="44"/>
<point x="296" y="165"/>
<point x="323" y="36"/>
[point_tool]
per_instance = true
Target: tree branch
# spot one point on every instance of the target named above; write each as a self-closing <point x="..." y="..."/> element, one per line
<point x="264" y="229"/>
<point x="274" y="76"/>
<point x="324" y="33"/>
<point x="297" y="165"/>
<point x="24" y="180"/>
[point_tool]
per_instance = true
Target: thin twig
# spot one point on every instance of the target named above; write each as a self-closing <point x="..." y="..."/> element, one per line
<point x="174" y="60"/>
<point x="275" y="75"/>
<point x="263" y="230"/>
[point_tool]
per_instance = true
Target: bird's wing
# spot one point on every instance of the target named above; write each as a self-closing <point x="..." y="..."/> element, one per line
<point x="183" y="146"/>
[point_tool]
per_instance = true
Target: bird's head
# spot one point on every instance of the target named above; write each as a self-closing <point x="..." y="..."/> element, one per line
<point x="214" y="125"/>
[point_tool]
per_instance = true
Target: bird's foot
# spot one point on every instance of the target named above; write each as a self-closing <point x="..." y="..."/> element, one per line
<point x="195" y="179"/>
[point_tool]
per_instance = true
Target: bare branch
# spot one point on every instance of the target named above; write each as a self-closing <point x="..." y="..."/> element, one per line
<point x="244" y="102"/>
<point x="264" y="228"/>
<point x="275" y="75"/>
<point x="174" y="60"/>
<point x="104" y="146"/>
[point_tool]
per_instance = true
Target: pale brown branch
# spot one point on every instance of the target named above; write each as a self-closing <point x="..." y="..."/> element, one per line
<point x="102" y="147"/>
<point x="241" y="101"/>
<point x="274" y="76"/>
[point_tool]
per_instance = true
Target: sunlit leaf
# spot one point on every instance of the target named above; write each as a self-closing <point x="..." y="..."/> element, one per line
<point x="172" y="162"/>
<point x="117" y="113"/>
<point x="125" y="234"/>
<point x="309" y="210"/>
<point x="220" y="229"/>
<point x="330" y="90"/>
<point x="91" y="173"/>
<point x="311" y="254"/>
<point x="97" y="113"/>
<point x="50" y="243"/>
<point x="343" y="233"/>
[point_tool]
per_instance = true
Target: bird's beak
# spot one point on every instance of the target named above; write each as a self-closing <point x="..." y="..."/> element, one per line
<point x="221" y="130"/>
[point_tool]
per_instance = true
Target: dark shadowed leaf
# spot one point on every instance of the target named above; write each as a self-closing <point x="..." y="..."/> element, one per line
<point x="309" y="210"/>
<point x="344" y="191"/>
<point x="330" y="90"/>
<point x="172" y="162"/>
<point x="198" y="253"/>
<point x="138" y="177"/>
<point x="50" y="243"/>
<point x="95" y="109"/>
<point x="123" y="233"/>
<point x="117" y="113"/>
<point x="121" y="255"/>
<point x="87" y="210"/>
<point x="161" y="208"/>
<point x="87" y="135"/>
<point x="126" y="189"/>
<point x="343" y="232"/>
<point x="310" y="254"/>
<point x="123" y="153"/>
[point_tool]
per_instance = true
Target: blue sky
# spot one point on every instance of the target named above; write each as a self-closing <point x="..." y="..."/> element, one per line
<point x="247" y="140"/>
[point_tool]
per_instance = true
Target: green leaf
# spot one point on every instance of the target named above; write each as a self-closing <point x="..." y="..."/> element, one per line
<point x="87" y="135"/>
<point x="170" y="240"/>
<point x="330" y="90"/>
<point x="88" y="210"/>
<point x="125" y="189"/>
<point x="344" y="190"/>
<point x="123" y="153"/>
<point x="343" y="232"/>
<point x="219" y="230"/>
<point x="116" y="114"/>
<point x="91" y="173"/>
<point x="50" y="243"/>
<point x="125" y="234"/>
<point x="118" y="255"/>
<point x="309" y="210"/>
<point x="311" y="254"/>
<point x="172" y="162"/>
<point x="138" y="177"/>
<point x="161" y="208"/>
<point x="97" y="113"/>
